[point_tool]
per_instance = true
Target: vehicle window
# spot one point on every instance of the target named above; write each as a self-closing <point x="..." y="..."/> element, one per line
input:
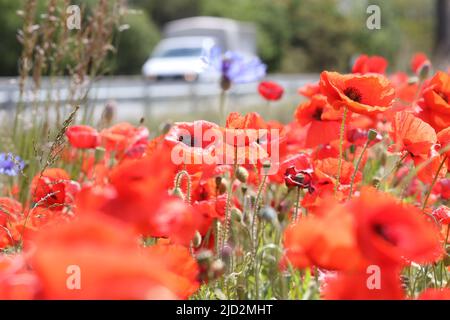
<point x="179" y="52"/>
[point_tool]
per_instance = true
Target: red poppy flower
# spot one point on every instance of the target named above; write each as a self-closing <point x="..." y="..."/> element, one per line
<point x="442" y="214"/>
<point x="193" y="145"/>
<point x="16" y="281"/>
<point x="435" y="103"/>
<point x="83" y="137"/>
<point x="309" y="90"/>
<point x="419" y="60"/>
<point x="444" y="185"/>
<point x="392" y="233"/>
<point x="10" y="210"/>
<point x="325" y="240"/>
<point x="435" y="294"/>
<point x="365" y="64"/>
<point x="411" y="134"/>
<point x="122" y="137"/>
<point x="326" y="171"/>
<point x="299" y="178"/>
<point x="323" y="121"/>
<point x="53" y="189"/>
<point x="444" y="139"/>
<point x="366" y="94"/>
<point x="110" y="264"/>
<point x="354" y="286"/>
<point x="270" y="90"/>
<point x="300" y="161"/>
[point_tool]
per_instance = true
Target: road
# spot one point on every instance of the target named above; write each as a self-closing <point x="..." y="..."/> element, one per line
<point x="134" y="96"/>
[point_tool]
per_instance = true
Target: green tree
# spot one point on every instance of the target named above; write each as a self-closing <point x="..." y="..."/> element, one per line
<point x="135" y="43"/>
<point x="10" y="47"/>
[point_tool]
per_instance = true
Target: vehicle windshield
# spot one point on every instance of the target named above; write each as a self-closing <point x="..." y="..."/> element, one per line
<point x="179" y="52"/>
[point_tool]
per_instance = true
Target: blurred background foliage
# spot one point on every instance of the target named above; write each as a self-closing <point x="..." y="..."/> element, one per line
<point x="293" y="35"/>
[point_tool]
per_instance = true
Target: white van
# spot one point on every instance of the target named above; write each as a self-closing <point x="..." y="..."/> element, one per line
<point x="179" y="54"/>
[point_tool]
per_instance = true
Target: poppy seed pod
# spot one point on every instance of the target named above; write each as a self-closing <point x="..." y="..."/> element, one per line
<point x="197" y="241"/>
<point x="242" y="174"/>
<point x="372" y="135"/>
<point x="225" y="83"/>
<point x="223" y="186"/>
<point x="268" y="213"/>
<point x="178" y="193"/>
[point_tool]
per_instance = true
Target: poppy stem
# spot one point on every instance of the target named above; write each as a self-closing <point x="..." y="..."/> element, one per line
<point x="222" y="106"/>
<point x="355" y="171"/>
<point x="178" y="182"/>
<point x="433" y="183"/>
<point x="341" y="151"/>
<point x="255" y="214"/>
<point x="228" y="203"/>
<point x="297" y="201"/>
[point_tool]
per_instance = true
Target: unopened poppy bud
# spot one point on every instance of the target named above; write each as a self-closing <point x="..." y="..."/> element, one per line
<point x="244" y="189"/>
<point x="242" y="174"/>
<point x="371" y="135"/>
<point x="424" y="71"/>
<point x="178" y="193"/>
<point x="204" y="257"/>
<point x="165" y="127"/>
<point x="217" y="268"/>
<point x="227" y="251"/>
<point x="218" y="181"/>
<point x="225" y="83"/>
<point x="99" y="154"/>
<point x="109" y="112"/>
<point x="197" y="241"/>
<point x="352" y="148"/>
<point x="236" y="214"/>
<point x="268" y="213"/>
<point x="223" y="186"/>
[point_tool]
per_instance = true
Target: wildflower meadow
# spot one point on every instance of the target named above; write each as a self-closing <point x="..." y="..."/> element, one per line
<point x="347" y="200"/>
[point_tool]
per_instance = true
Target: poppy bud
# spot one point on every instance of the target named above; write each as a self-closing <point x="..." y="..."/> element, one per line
<point x="268" y="213"/>
<point x="266" y="166"/>
<point x="197" y="241"/>
<point x="217" y="268"/>
<point x="165" y="127"/>
<point x="99" y="154"/>
<point x="178" y="193"/>
<point x="424" y="71"/>
<point x="109" y="112"/>
<point x="204" y="257"/>
<point x="241" y="174"/>
<point x="218" y="181"/>
<point x="223" y="186"/>
<point x="225" y="83"/>
<point x="227" y="252"/>
<point x="372" y="135"/>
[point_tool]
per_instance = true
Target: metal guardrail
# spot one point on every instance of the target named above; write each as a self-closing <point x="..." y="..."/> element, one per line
<point x="134" y="88"/>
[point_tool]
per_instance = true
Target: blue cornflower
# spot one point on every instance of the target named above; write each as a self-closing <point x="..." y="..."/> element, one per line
<point x="10" y="164"/>
<point x="234" y="67"/>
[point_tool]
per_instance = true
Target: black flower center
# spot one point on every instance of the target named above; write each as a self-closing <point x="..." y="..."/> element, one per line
<point x="380" y="230"/>
<point x="443" y="96"/>
<point x="318" y="114"/>
<point x="353" y="93"/>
